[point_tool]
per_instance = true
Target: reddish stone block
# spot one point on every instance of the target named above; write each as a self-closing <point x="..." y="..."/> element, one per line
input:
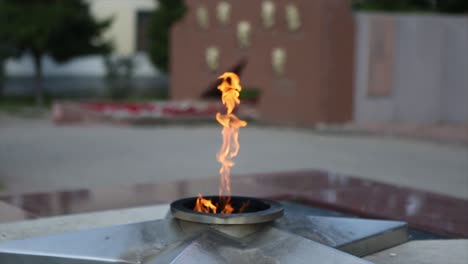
<point x="317" y="85"/>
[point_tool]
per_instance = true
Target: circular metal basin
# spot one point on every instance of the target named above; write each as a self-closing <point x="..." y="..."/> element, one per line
<point x="258" y="211"/>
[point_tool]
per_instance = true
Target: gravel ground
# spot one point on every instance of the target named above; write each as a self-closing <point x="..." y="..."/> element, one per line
<point x="36" y="155"/>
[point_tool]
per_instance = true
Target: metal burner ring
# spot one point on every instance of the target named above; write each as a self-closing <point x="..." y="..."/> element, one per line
<point x="267" y="211"/>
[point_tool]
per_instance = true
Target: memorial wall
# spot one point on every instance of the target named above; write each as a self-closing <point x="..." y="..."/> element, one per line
<point x="298" y="54"/>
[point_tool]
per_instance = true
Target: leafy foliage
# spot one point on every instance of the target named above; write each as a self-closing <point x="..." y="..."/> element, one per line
<point x="3" y="56"/>
<point x="61" y="29"/>
<point x="444" y="6"/>
<point x="452" y="6"/>
<point x="169" y="12"/>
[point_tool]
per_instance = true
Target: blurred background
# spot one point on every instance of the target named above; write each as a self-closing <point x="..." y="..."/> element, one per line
<point x="107" y="104"/>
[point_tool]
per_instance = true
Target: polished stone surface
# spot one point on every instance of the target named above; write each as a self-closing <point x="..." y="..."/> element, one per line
<point x="431" y="212"/>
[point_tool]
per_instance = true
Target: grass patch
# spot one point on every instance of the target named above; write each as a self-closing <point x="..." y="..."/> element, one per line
<point x="160" y="95"/>
<point x="16" y="104"/>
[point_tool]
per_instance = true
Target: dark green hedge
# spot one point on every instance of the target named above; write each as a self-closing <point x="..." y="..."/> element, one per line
<point x="439" y="6"/>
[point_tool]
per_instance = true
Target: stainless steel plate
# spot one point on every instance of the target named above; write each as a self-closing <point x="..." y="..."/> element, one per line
<point x="295" y="239"/>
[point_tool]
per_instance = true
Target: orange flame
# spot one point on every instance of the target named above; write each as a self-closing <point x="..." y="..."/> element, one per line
<point x="230" y="88"/>
<point x="204" y="205"/>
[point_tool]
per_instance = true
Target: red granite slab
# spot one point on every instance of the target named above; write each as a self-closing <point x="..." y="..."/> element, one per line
<point x="423" y="210"/>
<point x="427" y="211"/>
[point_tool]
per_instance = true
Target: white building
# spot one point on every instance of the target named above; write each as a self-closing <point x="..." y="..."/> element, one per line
<point x="130" y="19"/>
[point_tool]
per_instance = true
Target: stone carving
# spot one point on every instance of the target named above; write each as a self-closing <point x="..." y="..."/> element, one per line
<point x="244" y="31"/>
<point x="212" y="58"/>
<point x="268" y="13"/>
<point x="202" y="17"/>
<point x="223" y="12"/>
<point x="293" y="17"/>
<point x="278" y="61"/>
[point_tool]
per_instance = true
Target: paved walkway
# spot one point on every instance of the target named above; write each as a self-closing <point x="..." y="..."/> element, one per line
<point x="436" y="132"/>
<point x="424" y="252"/>
<point x="35" y="155"/>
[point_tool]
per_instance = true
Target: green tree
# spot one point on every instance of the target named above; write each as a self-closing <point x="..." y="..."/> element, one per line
<point x="4" y="52"/>
<point x="393" y="5"/>
<point x="60" y="29"/>
<point x="169" y="12"/>
<point x="443" y="6"/>
<point x="452" y="6"/>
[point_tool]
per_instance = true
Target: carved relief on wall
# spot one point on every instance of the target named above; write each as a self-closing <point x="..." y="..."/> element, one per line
<point x="268" y="14"/>
<point x="381" y="56"/>
<point x="293" y="17"/>
<point x="202" y="17"/>
<point x="244" y="32"/>
<point x="223" y="12"/>
<point x="212" y="57"/>
<point x="278" y="61"/>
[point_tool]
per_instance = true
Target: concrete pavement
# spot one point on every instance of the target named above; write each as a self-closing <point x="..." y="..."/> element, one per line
<point x="35" y="155"/>
<point x="453" y="251"/>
